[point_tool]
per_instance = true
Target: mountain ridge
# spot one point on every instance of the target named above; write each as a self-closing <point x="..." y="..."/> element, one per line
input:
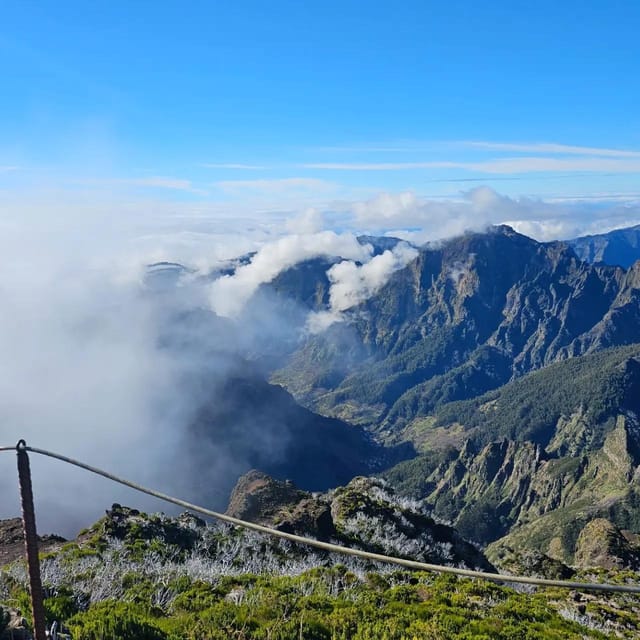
<point x="618" y="247"/>
<point x="526" y="303"/>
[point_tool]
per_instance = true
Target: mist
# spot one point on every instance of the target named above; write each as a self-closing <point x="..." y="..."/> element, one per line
<point x="105" y="360"/>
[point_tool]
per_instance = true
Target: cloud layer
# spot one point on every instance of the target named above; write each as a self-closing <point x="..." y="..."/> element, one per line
<point x="81" y="365"/>
<point x="422" y="219"/>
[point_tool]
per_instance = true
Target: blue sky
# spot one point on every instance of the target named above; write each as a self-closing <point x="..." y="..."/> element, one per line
<point x="282" y="105"/>
<point x="138" y="131"/>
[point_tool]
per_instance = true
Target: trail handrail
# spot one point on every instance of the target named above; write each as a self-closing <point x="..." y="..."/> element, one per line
<point x="328" y="546"/>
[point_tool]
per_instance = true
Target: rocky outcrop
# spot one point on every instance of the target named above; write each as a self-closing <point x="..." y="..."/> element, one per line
<point x="12" y="541"/>
<point x="129" y="525"/>
<point x="259" y="498"/>
<point x="365" y="513"/>
<point x="13" y="625"/>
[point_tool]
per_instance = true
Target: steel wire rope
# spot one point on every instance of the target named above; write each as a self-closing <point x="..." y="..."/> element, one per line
<point x="328" y="546"/>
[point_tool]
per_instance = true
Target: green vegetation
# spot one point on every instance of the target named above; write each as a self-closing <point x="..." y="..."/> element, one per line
<point x="412" y="477"/>
<point x="485" y="369"/>
<point x="537" y="459"/>
<point x="111" y="619"/>
<point x="332" y="603"/>
<point x="151" y="577"/>
<point x="529" y="408"/>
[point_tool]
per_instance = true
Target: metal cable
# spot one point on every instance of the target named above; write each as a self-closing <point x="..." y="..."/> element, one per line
<point x="327" y="546"/>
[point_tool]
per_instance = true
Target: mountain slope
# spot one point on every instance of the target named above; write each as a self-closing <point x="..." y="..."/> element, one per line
<point x="133" y="576"/>
<point x="619" y="247"/>
<point x="537" y="459"/>
<point x="245" y="423"/>
<point x="462" y="318"/>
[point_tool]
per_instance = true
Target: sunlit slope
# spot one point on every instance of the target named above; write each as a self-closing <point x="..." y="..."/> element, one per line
<point x="537" y="458"/>
<point x="462" y="318"/>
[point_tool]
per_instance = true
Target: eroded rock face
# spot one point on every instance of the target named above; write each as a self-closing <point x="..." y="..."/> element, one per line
<point x="620" y="247"/>
<point x="516" y="304"/>
<point x="258" y="497"/>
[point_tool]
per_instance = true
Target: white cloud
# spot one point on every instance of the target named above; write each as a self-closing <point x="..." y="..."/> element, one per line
<point x="82" y="374"/>
<point x="352" y="284"/>
<point x="160" y="182"/>
<point x="381" y="166"/>
<point x="152" y="182"/>
<point x="545" y="164"/>
<point x="519" y="164"/>
<point x="229" y="294"/>
<point x="547" y="230"/>
<point x="550" y="147"/>
<point x="311" y="220"/>
<point x="425" y="219"/>
<point x="417" y="219"/>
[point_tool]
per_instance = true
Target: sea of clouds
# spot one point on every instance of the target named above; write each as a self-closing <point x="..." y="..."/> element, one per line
<point x="84" y="364"/>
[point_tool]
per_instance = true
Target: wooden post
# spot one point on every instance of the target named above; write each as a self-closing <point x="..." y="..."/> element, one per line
<point x="31" y="541"/>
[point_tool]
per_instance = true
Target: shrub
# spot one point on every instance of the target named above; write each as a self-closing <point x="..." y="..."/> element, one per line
<point x="111" y="620"/>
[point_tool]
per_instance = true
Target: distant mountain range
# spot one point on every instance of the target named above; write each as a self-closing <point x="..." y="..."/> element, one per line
<point x="479" y="353"/>
<point x="510" y="367"/>
<point x="464" y="317"/>
<point x="620" y="247"/>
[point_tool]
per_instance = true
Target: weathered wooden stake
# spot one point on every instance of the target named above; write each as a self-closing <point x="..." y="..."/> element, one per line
<point x="31" y="541"/>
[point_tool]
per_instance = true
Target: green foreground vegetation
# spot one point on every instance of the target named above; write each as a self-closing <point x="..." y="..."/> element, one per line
<point x="331" y="604"/>
<point x="134" y="576"/>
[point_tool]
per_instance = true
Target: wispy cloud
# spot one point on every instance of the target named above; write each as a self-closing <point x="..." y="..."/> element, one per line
<point x="279" y="186"/>
<point x="146" y="182"/>
<point x="7" y="169"/>
<point x="381" y="166"/>
<point x="231" y="165"/>
<point x="532" y="164"/>
<point x="417" y="146"/>
<point x="550" y="147"/>
<point x="160" y="182"/>
<point x="515" y="165"/>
